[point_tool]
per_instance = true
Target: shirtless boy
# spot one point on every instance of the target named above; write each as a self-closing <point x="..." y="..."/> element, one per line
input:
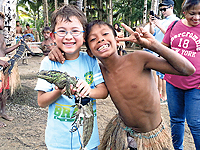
<point x="4" y="85"/>
<point x="18" y="31"/>
<point x="28" y="29"/>
<point x="18" y="28"/>
<point x="132" y="88"/>
<point x="48" y="43"/>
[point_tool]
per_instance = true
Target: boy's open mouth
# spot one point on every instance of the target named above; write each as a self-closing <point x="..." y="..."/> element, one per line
<point x="69" y="43"/>
<point x="103" y="47"/>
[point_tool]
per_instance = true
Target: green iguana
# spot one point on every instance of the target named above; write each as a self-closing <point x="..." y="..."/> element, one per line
<point x="60" y="79"/>
<point x="85" y="115"/>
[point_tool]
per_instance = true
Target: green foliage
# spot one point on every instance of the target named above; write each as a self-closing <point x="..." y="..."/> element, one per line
<point x="177" y="8"/>
<point x="30" y="12"/>
<point x="39" y="28"/>
<point x="123" y="10"/>
<point x="126" y="10"/>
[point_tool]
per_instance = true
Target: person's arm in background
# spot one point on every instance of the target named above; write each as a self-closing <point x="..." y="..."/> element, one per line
<point x="158" y="24"/>
<point x="155" y="22"/>
<point x="151" y="28"/>
<point x="10" y="49"/>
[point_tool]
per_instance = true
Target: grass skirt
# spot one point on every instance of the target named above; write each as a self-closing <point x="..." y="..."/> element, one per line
<point x="115" y="137"/>
<point x="11" y="81"/>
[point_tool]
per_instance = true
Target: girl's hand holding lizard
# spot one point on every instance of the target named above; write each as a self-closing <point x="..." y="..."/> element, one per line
<point x="82" y="87"/>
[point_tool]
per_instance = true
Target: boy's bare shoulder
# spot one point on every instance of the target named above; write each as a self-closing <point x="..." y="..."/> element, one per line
<point x="137" y="53"/>
<point x="141" y="53"/>
<point x="139" y="57"/>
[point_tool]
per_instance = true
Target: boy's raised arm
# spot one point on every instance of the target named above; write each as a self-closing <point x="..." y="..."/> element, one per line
<point x="145" y="39"/>
<point x="56" y="55"/>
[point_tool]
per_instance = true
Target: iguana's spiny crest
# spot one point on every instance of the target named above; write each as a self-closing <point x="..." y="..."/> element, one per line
<point x="60" y="79"/>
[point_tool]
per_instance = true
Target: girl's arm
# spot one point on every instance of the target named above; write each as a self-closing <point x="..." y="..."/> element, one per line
<point x="47" y="98"/>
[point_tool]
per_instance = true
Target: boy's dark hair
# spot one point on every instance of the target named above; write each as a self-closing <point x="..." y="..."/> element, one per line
<point x="65" y="12"/>
<point x="91" y="24"/>
<point x="2" y="15"/>
<point x="27" y="25"/>
<point x="17" y="21"/>
<point x="46" y="29"/>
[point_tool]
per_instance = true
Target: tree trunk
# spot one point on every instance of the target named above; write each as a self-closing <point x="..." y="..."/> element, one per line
<point x="56" y="4"/>
<point x="66" y="2"/>
<point x="159" y="13"/>
<point x="2" y="2"/>
<point x="129" y="16"/>
<point x="101" y="9"/>
<point x="45" y="13"/>
<point x="85" y="9"/>
<point x="79" y="4"/>
<point x="129" y="22"/>
<point x="110" y="13"/>
<point x="107" y="11"/>
<point x="145" y="12"/>
<point x="154" y="6"/>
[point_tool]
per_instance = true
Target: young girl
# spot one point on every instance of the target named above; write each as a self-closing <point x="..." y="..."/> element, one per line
<point x="68" y="25"/>
<point x="120" y="34"/>
<point x="184" y="92"/>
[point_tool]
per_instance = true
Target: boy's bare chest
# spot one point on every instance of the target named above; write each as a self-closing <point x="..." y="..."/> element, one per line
<point x="18" y="29"/>
<point x="29" y="31"/>
<point x="121" y="81"/>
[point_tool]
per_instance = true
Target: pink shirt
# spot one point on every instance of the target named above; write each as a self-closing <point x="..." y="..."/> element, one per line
<point x="186" y="41"/>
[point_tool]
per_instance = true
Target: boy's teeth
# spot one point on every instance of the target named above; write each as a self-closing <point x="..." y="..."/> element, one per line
<point x="102" y="47"/>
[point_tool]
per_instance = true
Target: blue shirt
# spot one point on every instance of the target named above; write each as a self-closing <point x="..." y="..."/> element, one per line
<point x="165" y="23"/>
<point x="57" y="134"/>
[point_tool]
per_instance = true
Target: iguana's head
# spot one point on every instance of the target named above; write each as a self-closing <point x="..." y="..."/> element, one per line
<point x="50" y="75"/>
<point x="60" y="79"/>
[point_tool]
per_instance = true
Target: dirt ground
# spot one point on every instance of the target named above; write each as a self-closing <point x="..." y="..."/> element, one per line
<point x="26" y="131"/>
